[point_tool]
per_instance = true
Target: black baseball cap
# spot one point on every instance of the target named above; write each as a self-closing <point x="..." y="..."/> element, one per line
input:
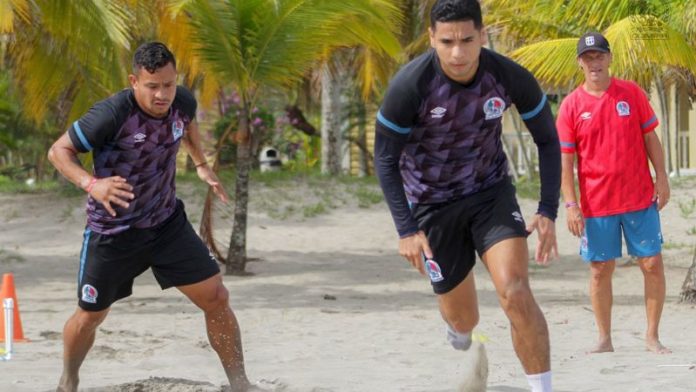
<point x="593" y="41"/>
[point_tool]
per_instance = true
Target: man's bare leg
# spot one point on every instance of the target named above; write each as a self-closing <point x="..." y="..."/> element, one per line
<point x="507" y="263"/>
<point x="655" y="287"/>
<point x="223" y="331"/>
<point x="78" y="337"/>
<point x="602" y="296"/>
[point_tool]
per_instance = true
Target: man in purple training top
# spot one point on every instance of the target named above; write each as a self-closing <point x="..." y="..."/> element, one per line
<point x="134" y="220"/>
<point x="438" y="148"/>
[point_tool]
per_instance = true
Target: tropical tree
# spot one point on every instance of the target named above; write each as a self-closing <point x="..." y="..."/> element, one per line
<point x="255" y="45"/>
<point x="652" y="42"/>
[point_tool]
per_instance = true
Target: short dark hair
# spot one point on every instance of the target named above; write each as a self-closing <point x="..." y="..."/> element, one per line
<point x="152" y="56"/>
<point x="455" y="11"/>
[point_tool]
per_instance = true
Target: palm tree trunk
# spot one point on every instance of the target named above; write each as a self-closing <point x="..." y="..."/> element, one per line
<point x="237" y="257"/>
<point x="688" y="293"/>
<point x="330" y="122"/>
<point x="662" y="95"/>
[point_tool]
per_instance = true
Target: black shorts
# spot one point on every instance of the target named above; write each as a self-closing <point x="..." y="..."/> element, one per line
<point x="110" y="263"/>
<point x="455" y="229"/>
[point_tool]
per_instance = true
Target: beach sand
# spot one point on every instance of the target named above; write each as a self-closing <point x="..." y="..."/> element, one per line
<point x="331" y="307"/>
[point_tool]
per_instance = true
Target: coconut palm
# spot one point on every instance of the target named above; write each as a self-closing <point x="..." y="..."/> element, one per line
<point x="254" y="45"/>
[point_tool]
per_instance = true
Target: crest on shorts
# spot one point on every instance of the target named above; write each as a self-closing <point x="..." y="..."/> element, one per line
<point x="89" y="294"/>
<point x="623" y="109"/>
<point x="434" y="271"/>
<point x="494" y="108"/>
<point x="177" y="129"/>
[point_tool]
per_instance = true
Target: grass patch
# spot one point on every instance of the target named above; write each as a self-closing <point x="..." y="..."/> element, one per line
<point x="528" y="188"/>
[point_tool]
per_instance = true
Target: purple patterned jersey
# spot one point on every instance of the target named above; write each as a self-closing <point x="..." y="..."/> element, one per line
<point x="440" y="140"/>
<point x="127" y="142"/>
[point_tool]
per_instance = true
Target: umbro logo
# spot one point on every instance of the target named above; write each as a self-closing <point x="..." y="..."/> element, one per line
<point x="438" y="112"/>
<point x="518" y="217"/>
<point x="586" y="116"/>
<point x="139" y="138"/>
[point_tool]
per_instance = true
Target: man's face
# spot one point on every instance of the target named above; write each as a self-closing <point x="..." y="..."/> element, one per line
<point x="458" y="46"/>
<point x="154" y="92"/>
<point x="595" y="65"/>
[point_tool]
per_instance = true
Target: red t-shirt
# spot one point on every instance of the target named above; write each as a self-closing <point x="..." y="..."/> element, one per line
<point x="606" y="133"/>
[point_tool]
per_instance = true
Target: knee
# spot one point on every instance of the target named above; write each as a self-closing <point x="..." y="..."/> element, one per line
<point x="216" y="299"/>
<point x="463" y="323"/>
<point x="516" y="297"/>
<point x="602" y="271"/>
<point x="86" y="321"/>
<point x="652" y="266"/>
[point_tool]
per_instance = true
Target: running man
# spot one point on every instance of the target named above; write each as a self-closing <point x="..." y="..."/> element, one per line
<point x="609" y="124"/>
<point x="134" y="220"/>
<point x="438" y="148"/>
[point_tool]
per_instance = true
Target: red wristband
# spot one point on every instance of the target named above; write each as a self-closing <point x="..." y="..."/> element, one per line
<point x="89" y="186"/>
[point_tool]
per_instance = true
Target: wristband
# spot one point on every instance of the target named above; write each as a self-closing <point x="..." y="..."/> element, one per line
<point x="571" y="204"/>
<point x="201" y="164"/>
<point x="89" y="186"/>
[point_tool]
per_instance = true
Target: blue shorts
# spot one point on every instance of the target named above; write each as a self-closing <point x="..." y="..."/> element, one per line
<point x="601" y="240"/>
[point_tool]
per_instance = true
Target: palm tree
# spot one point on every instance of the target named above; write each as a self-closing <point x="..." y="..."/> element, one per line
<point x="652" y="41"/>
<point x="254" y="45"/>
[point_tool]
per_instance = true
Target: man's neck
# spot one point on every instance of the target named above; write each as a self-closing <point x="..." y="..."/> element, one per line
<point x="597" y="88"/>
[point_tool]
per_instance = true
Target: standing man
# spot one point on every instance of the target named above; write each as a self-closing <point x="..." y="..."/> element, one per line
<point x="438" y="148"/>
<point x="609" y="124"/>
<point x="134" y="220"/>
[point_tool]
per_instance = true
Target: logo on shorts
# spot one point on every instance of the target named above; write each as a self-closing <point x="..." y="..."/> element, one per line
<point x="518" y="217"/>
<point x="583" y="243"/>
<point x="177" y="129"/>
<point x="438" y="112"/>
<point x="89" y="294"/>
<point x="434" y="271"/>
<point x="623" y="109"/>
<point x="494" y="108"/>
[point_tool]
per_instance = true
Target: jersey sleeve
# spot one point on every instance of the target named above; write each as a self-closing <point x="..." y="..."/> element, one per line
<point x="565" y="126"/>
<point x="96" y="127"/>
<point x="535" y="111"/>
<point x="397" y="115"/>
<point x="648" y="119"/>
<point x="186" y="101"/>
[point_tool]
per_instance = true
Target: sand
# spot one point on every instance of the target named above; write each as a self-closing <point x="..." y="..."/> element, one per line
<point x="333" y="308"/>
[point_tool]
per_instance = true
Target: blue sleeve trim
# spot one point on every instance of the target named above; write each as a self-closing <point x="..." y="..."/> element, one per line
<point x="81" y="136"/>
<point x="391" y="125"/>
<point x="567" y="145"/>
<point x="649" y="122"/>
<point x="536" y="110"/>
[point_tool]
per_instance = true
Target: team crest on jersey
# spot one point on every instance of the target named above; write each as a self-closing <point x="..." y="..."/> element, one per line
<point x="177" y="129"/>
<point x="586" y="116"/>
<point x="139" y="138"/>
<point x="89" y="294"/>
<point x="623" y="109"/>
<point x="494" y="108"/>
<point x="434" y="271"/>
<point x="438" y="112"/>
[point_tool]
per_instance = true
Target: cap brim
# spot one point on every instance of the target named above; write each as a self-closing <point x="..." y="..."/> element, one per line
<point x="592" y="49"/>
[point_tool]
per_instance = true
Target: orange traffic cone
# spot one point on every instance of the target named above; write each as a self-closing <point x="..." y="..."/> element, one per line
<point x="8" y="291"/>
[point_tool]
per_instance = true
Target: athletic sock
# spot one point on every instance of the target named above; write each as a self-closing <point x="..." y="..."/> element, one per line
<point x="540" y="382"/>
<point x="460" y="341"/>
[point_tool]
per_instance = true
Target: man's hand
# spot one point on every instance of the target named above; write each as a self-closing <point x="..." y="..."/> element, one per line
<point x="661" y="192"/>
<point x="207" y="174"/>
<point x="413" y="247"/>
<point x="547" y="248"/>
<point x="576" y="222"/>
<point x="112" y="190"/>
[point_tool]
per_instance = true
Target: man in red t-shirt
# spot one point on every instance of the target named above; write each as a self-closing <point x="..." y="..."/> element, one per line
<point x="609" y="124"/>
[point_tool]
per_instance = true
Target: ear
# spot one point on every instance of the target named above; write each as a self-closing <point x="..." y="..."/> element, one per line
<point x="484" y="36"/>
<point x="431" y="34"/>
<point x="132" y="79"/>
